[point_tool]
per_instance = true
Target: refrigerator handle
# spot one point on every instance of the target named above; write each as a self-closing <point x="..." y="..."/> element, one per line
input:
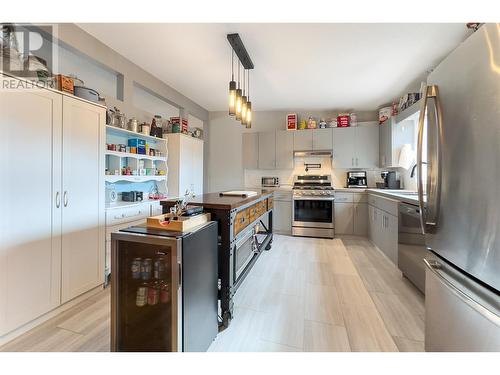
<point x="428" y="224"/>
<point x="435" y="267"/>
<point x="421" y="119"/>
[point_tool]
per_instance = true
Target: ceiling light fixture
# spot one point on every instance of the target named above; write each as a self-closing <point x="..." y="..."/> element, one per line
<point x="238" y="96"/>
<point x="248" y="122"/>
<point x="239" y="103"/>
<point x="232" y="89"/>
<point x="244" y="103"/>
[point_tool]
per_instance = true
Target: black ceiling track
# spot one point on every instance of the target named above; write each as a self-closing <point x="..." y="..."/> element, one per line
<point x="241" y="51"/>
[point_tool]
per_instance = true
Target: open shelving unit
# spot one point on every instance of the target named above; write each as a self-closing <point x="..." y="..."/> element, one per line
<point x="155" y="167"/>
<point x="113" y="130"/>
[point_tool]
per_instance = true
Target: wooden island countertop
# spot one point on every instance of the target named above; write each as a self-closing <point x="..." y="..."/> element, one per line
<point x="215" y="201"/>
<point x="236" y="217"/>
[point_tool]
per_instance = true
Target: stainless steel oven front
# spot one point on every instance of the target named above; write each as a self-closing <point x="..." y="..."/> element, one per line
<point x="244" y="250"/>
<point x="313" y="216"/>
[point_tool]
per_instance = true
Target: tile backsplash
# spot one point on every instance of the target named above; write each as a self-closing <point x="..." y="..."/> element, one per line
<point x="253" y="176"/>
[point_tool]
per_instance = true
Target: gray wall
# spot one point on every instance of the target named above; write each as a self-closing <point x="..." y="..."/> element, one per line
<point x="77" y="41"/>
<point x="224" y="167"/>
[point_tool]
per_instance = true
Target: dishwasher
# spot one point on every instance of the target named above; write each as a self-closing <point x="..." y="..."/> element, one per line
<point x="411" y="245"/>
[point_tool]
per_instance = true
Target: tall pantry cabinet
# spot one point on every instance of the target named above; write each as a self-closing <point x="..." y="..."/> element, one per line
<point x="185" y="164"/>
<point x="51" y="227"/>
<point x="83" y="231"/>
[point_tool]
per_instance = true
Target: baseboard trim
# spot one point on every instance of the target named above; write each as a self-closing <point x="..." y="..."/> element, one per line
<point x="47" y="316"/>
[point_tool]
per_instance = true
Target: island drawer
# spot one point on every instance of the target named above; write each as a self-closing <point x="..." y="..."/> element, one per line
<point x="254" y="212"/>
<point x="263" y="207"/>
<point x="269" y="203"/>
<point x="241" y="221"/>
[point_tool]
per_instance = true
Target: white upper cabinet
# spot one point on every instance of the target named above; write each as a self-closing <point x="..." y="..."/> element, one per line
<point x="284" y="149"/>
<point x="344" y="147"/>
<point x="303" y="140"/>
<point x="323" y="139"/>
<point x="367" y="144"/>
<point x="267" y="150"/>
<point x="185" y="165"/>
<point x="83" y="233"/>
<point x="356" y="147"/>
<point x="30" y="224"/>
<point x="250" y="150"/>
<point x="393" y="136"/>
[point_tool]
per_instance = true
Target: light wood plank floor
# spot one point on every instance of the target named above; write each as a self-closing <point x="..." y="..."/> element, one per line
<point x="304" y="295"/>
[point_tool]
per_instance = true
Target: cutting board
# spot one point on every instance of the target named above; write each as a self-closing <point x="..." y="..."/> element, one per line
<point x="180" y="224"/>
<point x="239" y="193"/>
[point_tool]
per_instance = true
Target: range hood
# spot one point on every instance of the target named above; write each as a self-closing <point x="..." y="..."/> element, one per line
<point x="313" y="154"/>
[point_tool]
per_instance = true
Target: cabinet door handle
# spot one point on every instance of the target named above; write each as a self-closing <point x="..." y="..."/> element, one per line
<point x="65" y="198"/>
<point x="352" y="161"/>
<point x="357" y="163"/>
<point x="58" y="199"/>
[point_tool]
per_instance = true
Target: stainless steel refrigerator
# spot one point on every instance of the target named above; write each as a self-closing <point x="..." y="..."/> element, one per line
<point x="461" y="218"/>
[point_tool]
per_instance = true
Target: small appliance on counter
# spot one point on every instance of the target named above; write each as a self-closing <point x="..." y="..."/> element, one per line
<point x="270" y="182"/>
<point x="356" y="179"/>
<point x="132" y="196"/>
<point x="391" y="180"/>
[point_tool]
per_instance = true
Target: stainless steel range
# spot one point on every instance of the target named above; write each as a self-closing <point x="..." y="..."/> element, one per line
<point x="312" y="209"/>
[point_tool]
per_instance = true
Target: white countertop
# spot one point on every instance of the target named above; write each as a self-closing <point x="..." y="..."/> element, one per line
<point x="394" y="194"/>
<point x="123" y="204"/>
<point x="279" y="188"/>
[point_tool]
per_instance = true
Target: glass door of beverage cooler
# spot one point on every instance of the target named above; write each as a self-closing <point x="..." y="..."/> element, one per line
<point x="145" y="294"/>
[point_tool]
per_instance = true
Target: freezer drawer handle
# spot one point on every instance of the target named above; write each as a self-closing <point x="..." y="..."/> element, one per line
<point x="435" y="267"/>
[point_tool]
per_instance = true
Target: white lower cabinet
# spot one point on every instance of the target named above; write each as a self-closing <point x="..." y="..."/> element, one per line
<point x="351" y="213"/>
<point x="52" y="222"/>
<point x="344" y="218"/>
<point x="282" y="212"/>
<point x="282" y="216"/>
<point x="124" y="217"/>
<point x="360" y="219"/>
<point x="383" y="226"/>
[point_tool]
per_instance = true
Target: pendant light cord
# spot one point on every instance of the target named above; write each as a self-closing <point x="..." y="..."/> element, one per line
<point x="248" y="85"/>
<point x="232" y="64"/>
<point x="243" y="81"/>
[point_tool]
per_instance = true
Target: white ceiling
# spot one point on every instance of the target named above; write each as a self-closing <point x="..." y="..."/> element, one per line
<point x="297" y="66"/>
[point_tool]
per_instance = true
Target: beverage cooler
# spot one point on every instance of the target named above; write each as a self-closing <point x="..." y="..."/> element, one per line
<point x="164" y="289"/>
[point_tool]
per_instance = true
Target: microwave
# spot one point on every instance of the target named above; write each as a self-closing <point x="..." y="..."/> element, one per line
<point x="270" y="182"/>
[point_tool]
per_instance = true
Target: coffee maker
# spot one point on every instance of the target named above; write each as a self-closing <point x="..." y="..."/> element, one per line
<point x="391" y="180"/>
<point x="356" y="179"/>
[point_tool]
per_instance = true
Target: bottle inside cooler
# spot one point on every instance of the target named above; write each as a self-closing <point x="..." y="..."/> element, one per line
<point x="145" y="301"/>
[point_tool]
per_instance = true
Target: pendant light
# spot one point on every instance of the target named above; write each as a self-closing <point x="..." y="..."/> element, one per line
<point x="232" y="88"/>
<point x="248" y="122"/>
<point x="238" y="96"/>
<point x="244" y="103"/>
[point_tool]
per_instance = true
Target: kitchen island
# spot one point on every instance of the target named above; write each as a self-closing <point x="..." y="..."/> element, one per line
<point x="245" y="227"/>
